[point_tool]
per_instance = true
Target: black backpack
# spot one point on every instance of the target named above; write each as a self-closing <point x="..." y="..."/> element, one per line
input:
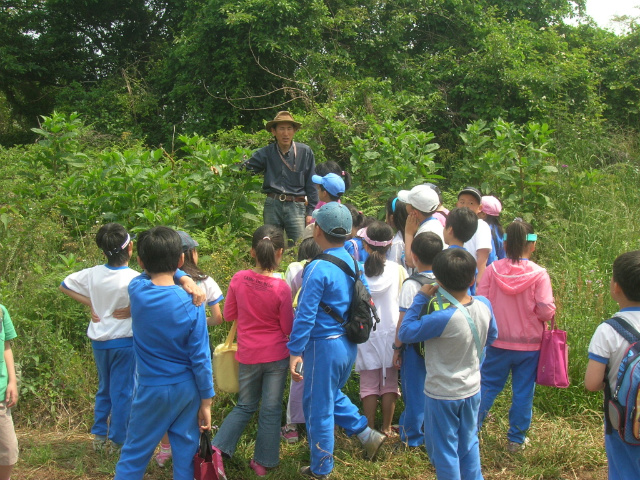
<point x="362" y="316"/>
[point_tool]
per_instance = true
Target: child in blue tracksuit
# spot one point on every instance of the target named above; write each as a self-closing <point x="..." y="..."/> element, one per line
<point x="328" y="355"/>
<point x="454" y="339"/>
<point x="606" y="351"/>
<point x="408" y="357"/>
<point x="173" y="358"/>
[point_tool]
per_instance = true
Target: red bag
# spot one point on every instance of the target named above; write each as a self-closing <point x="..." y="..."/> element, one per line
<point x="553" y="366"/>
<point x="207" y="463"/>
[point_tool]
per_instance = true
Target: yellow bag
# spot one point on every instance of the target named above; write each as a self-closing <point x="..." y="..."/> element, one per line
<point x="225" y="365"/>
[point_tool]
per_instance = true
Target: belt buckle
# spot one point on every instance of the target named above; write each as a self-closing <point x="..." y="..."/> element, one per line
<point x="282" y="197"/>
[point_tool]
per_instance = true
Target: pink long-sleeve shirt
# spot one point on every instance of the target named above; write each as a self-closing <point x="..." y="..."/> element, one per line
<point x="262" y="306"/>
<point x="522" y="300"/>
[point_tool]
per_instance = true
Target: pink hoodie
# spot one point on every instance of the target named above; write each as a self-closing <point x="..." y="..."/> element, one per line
<point x="522" y="301"/>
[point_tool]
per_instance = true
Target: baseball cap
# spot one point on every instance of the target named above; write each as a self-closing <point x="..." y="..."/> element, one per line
<point x="420" y="197"/>
<point x="491" y="205"/>
<point x="472" y="191"/>
<point x="187" y="242"/>
<point x="331" y="182"/>
<point x="334" y="218"/>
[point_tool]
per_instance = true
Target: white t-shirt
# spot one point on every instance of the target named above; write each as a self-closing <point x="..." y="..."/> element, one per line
<point x="409" y="290"/>
<point x="433" y="225"/>
<point x="481" y="239"/>
<point x="396" y="252"/>
<point x="107" y="287"/>
<point x="211" y="290"/>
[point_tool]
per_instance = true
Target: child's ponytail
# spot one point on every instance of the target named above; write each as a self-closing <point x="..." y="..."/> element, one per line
<point x="516" y="239"/>
<point x="267" y="240"/>
<point x="378" y="236"/>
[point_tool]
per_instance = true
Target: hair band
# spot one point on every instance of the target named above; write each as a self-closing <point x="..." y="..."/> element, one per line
<point x="531" y="237"/>
<point x="393" y="205"/>
<point x="375" y="243"/>
<point x="266" y="237"/>
<point x="116" y="250"/>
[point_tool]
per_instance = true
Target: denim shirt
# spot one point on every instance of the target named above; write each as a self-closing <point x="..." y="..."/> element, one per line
<point x="294" y="178"/>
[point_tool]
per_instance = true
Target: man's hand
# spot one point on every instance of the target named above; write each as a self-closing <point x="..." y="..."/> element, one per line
<point x="204" y="414"/>
<point x="293" y="361"/>
<point x="307" y="220"/>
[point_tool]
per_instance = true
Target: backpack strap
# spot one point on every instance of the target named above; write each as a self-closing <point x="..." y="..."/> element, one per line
<point x="342" y="265"/>
<point x="631" y="335"/>
<point x="421" y="279"/>
<point x="441" y="292"/>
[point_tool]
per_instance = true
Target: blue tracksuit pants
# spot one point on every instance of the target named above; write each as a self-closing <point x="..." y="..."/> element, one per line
<point x="451" y="437"/>
<point x="116" y="368"/>
<point x="412" y="375"/>
<point x="327" y="367"/>
<point x="523" y="366"/>
<point x="156" y="410"/>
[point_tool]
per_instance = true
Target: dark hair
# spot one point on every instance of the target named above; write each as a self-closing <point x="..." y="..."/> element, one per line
<point x="397" y="210"/>
<point x="332" y="239"/>
<point x="189" y="266"/>
<point x="463" y="222"/>
<point x="266" y="241"/>
<point x="436" y="189"/>
<point x="332" y="167"/>
<point x="308" y="249"/>
<point x="626" y="273"/>
<point x="497" y="232"/>
<point x="112" y="240"/>
<point x="516" y="242"/>
<point x="357" y="217"/>
<point x="160" y="248"/>
<point x="381" y="232"/>
<point x="332" y="197"/>
<point x="455" y="269"/>
<point x="426" y="246"/>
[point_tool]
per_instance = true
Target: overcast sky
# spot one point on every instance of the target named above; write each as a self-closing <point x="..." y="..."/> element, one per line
<point x="603" y="10"/>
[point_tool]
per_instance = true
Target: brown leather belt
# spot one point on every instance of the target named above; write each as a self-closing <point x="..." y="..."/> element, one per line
<point x="283" y="197"/>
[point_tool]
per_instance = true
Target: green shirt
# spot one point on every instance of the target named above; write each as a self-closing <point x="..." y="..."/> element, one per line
<point x="8" y="333"/>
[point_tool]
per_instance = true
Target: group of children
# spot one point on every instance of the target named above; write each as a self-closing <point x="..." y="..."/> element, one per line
<point x="451" y="350"/>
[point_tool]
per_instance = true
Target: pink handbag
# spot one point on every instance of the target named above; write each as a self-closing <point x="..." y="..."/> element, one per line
<point x="553" y="366"/>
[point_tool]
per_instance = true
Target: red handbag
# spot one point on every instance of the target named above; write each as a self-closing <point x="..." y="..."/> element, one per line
<point x="207" y="463"/>
<point x="553" y="366"/>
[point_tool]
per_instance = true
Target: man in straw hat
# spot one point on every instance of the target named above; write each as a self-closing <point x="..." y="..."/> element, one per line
<point x="288" y="167"/>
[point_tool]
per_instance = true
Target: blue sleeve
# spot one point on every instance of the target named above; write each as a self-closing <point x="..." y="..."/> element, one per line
<point x="257" y="162"/>
<point x="308" y="304"/>
<point x="200" y="354"/>
<point x="492" y="332"/>
<point x="416" y="329"/>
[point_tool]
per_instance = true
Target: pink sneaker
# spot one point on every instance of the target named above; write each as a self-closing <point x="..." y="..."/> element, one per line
<point x="163" y="455"/>
<point x="259" y="469"/>
<point x="289" y="434"/>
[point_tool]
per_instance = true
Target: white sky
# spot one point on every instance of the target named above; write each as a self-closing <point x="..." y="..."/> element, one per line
<point x="602" y="10"/>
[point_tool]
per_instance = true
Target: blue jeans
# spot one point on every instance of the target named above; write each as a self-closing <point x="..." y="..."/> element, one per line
<point x="260" y="383"/>
<point x="451" y="437"/>
<point x="290" y="216"/>
<point x="495" y="372"/>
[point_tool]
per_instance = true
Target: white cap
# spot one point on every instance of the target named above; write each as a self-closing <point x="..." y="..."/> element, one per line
<point x="420" y="197"/>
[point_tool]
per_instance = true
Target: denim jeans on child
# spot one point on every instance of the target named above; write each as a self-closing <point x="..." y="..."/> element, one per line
<point x="495" y="372"/>
<point x="290" y="216"/>
<point x="260" y="383"/>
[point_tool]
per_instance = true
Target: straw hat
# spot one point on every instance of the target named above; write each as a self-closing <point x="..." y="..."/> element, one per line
<point x="283" y="116"/>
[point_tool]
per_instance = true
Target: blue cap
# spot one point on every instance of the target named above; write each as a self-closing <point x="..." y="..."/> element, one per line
<point x="331" y="182"/>
<point x="335" y="219"/>
<point x="187" y="242"/>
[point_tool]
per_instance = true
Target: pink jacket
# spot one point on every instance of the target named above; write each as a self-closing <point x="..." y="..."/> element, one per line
<point x="522" y="301"/>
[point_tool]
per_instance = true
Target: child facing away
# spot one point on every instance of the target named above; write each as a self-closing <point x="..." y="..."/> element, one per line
<point x="396" y="218"/>
<point x="354" y="245"/>
<point x="479" y="246"/>
<point x="520" y="292"/>
<point x="213" y="297"/>
<point x="173" y="361"/>
<point x="441" y="212"/>
<point x="408" y="358"/>
<point x="491" y="208"/>
<point x="606" y="351"/>
<point x="261" y="304"/>
<point x="328" y="354"/>
<point x="293" y="276"/>
<point x="9" y="396"/>
<point x="378" y="377"/>
<point x="104" y="289"/>
<point x="454" y="339"/>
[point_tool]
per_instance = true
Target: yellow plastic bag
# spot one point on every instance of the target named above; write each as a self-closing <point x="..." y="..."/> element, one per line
<point x="225" y="365"/>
